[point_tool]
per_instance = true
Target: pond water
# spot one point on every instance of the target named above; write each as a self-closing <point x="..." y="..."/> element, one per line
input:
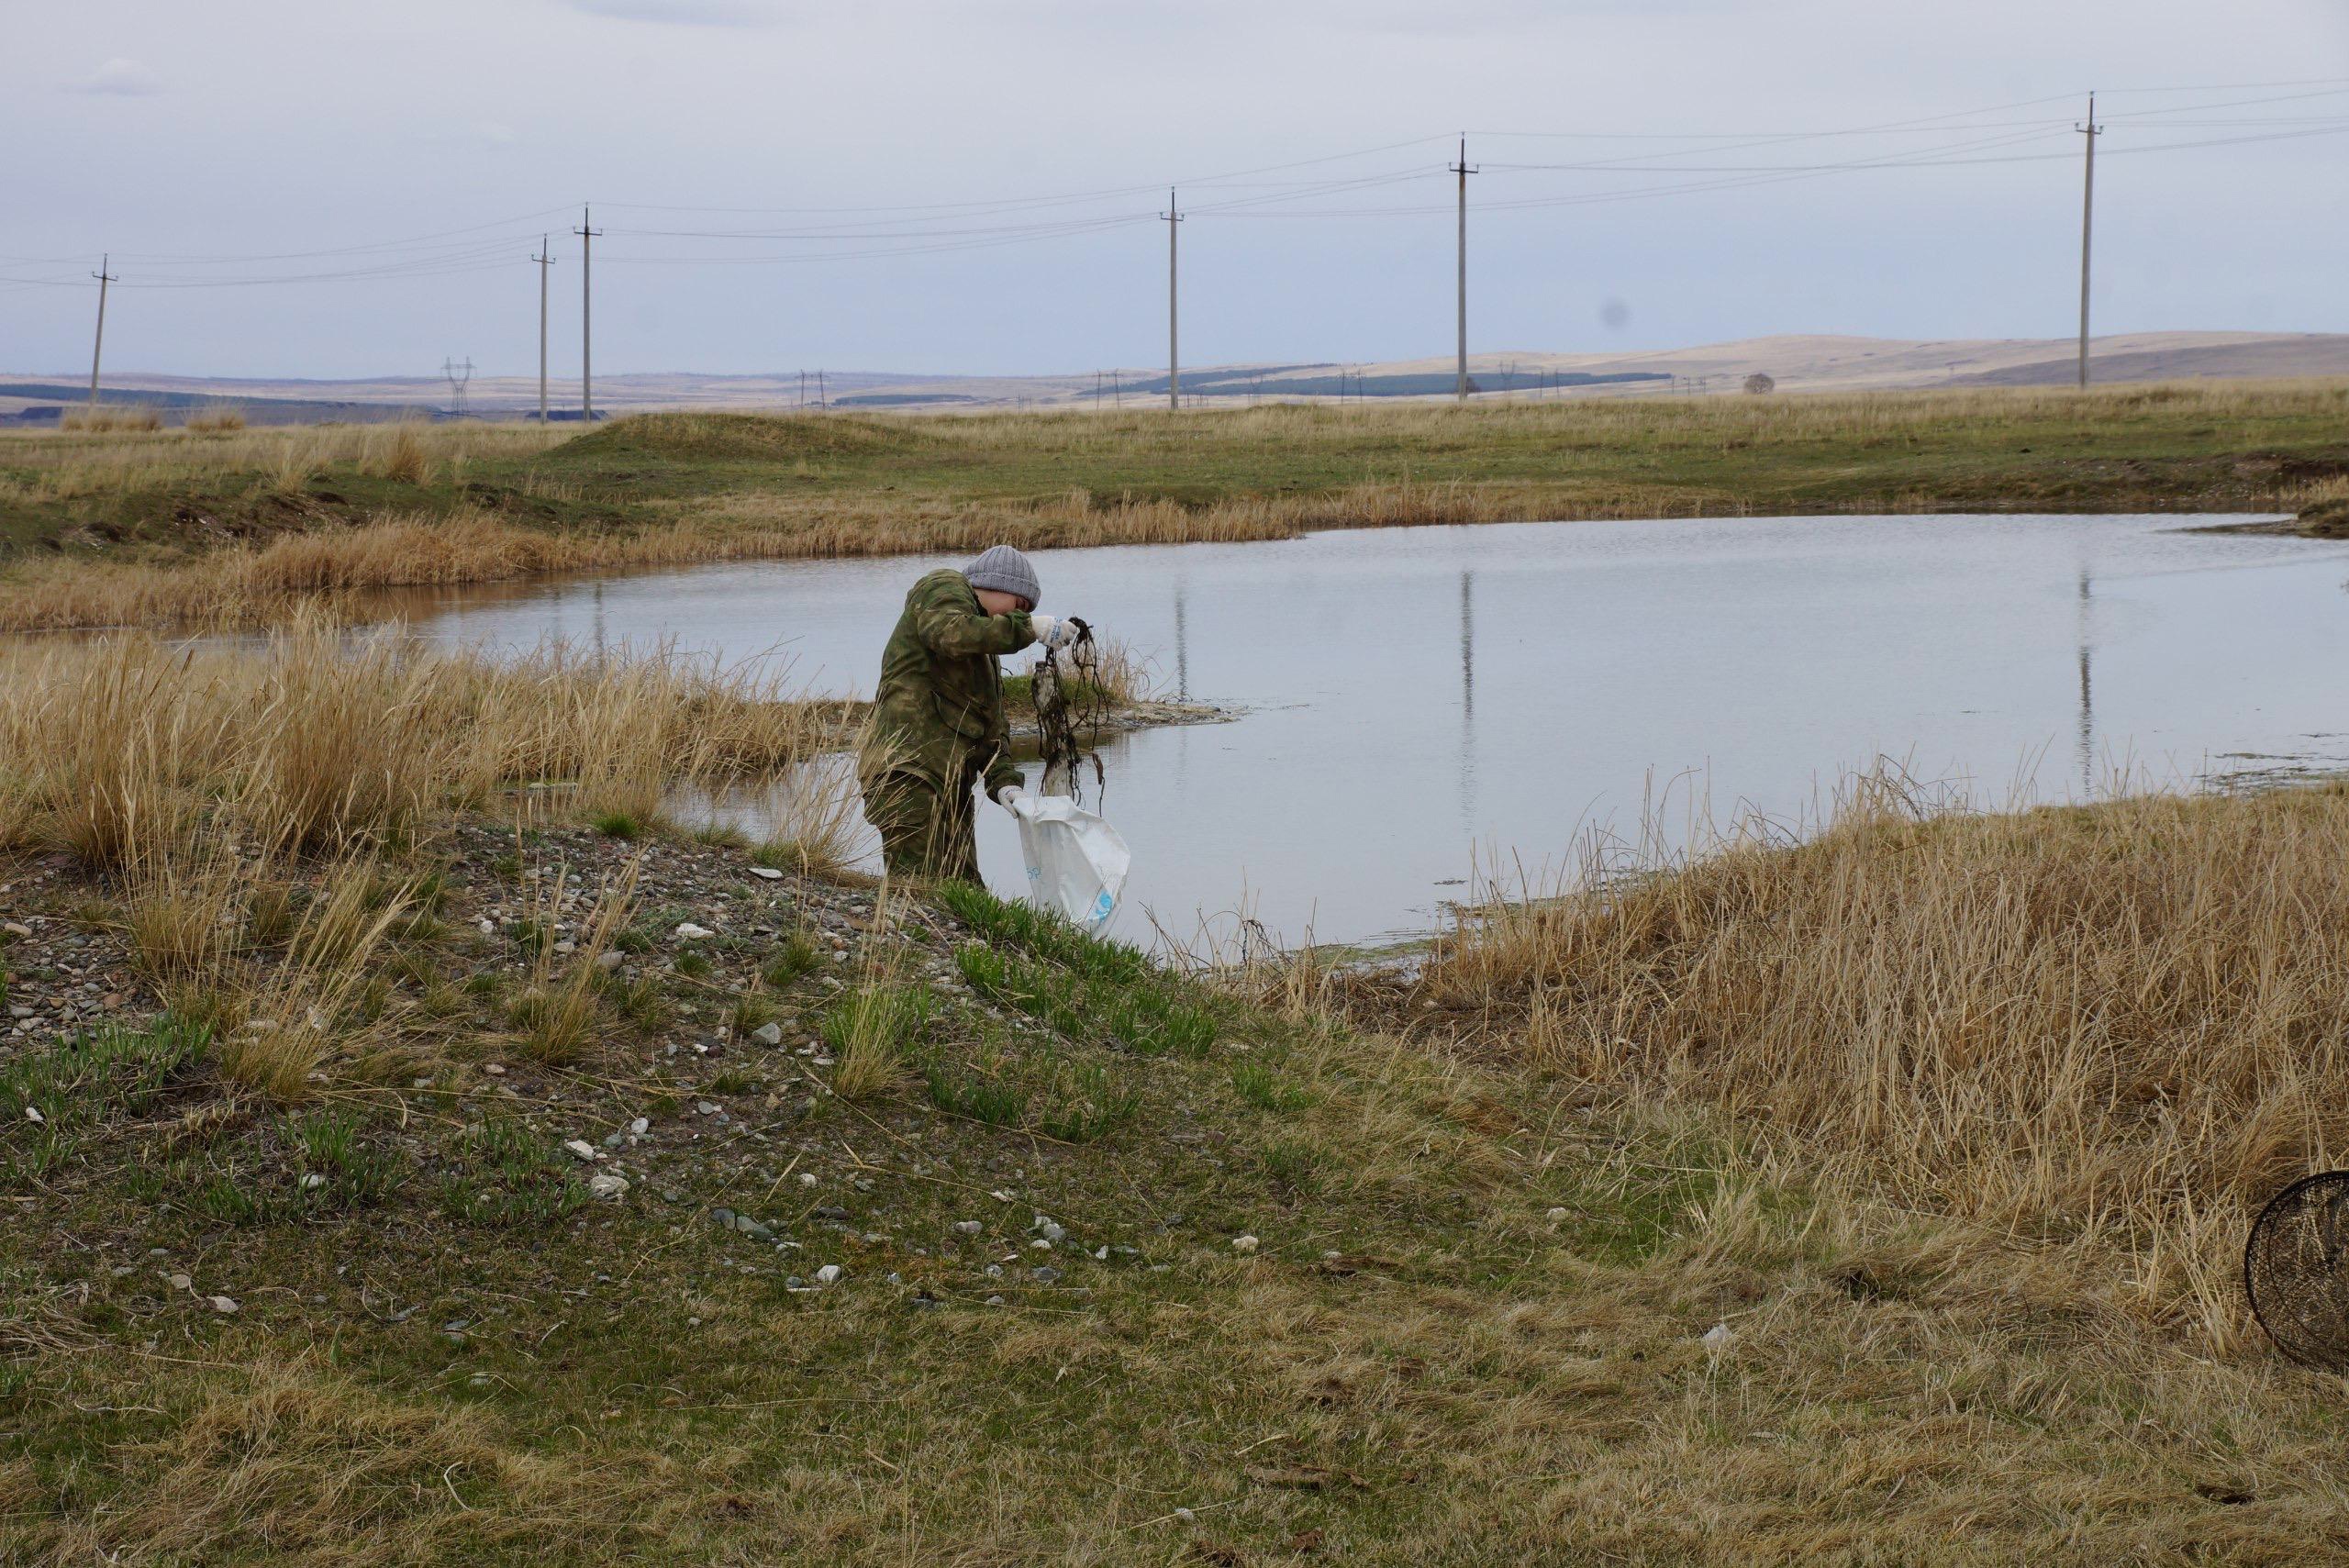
<point x="1419" y="701"/>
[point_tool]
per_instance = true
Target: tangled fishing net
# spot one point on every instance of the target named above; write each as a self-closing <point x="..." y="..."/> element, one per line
<point x="2296" y="1270"/>
<point x="1071" y="701"/>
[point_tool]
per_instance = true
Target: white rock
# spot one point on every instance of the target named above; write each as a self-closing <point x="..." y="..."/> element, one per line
<point x="1187" y="1516"/>
<point x="1716" y="1339"/>
<point x="641" y="1126"/>
<point x="969" y="1227"/>
<point x="1556" y="1215"/>
<point x="688" y="931"/>
<point x="17" y="928"/>
<point x="828" y="1273"/>
<point x="806" y="1178"/>
<point x="313" y="1182"/>
<point x="224" y="1303"/>
<point x="607" y="1185"/>
<point x="494" y="1069"/>
<point x="1244" y="1243"/>
<point x="767" y="873"/>
<point x="489" y="928"/>
<point x="32" y="1112"/>
<point x="566" y="946"/>
<point x="610" y="957"/>
<point x="580" y="1149"/>
<point x="181" y="1282"/>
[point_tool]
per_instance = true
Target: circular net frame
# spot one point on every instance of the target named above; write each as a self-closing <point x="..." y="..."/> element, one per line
<point x="2296" y="1270"/>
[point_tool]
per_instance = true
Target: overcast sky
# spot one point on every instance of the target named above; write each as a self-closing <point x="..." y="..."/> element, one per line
<point x="181" y="137"/>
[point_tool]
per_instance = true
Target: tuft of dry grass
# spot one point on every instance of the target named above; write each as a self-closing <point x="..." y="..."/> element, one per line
<point x="305" y="1010"/>
<point x="558" y="1010"/>
<point x="220" y="422"/>
<point x="110" y="420"/>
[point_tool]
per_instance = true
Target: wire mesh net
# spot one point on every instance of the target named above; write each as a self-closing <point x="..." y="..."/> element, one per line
<point x="2296" y="1270"/>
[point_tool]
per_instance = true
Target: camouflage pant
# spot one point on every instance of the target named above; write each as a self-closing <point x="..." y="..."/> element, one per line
<point x="925" y="831"/>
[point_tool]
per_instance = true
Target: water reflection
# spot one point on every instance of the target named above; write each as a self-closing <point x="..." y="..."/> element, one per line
<point x="1756" y="657"/>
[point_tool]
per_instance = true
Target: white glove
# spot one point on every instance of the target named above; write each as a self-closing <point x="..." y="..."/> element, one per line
<point x="1009" y="797"/>
<point x="1052" y="631"/>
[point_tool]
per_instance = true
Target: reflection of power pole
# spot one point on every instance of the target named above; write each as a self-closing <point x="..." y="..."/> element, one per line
<point x="586" y="322"/>
<point x="1462" y="169"/>
<point x="105" y="274"/>
<point x="2088" y="221"/>
<point x="1468" y="699"/>
<point x="1182" y="649"/>
<point x="2088" y="707"/>
<point x="1173" y="218"/>
<point x="545" y="258"/>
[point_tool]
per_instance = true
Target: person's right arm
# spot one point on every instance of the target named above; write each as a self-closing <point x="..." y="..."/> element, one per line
<point x="951" y="627"/>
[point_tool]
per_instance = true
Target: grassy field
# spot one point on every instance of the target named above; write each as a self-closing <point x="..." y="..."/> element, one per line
<point x="400" y="1171"/>
<point x="137" y="527"/>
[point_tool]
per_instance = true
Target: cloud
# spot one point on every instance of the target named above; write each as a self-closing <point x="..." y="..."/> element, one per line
<point x="683" y="13"/>
<point x="124" y="78"/>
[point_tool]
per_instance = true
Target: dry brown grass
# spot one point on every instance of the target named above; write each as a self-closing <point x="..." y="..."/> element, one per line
<point x="2117" y="1025"/>
<point x="298" y="1013"/>
<point x="105" y="420"/>
<point x="221" y="422"/>
<point x="117" y="457"/>
<point x="558" y="1008"/>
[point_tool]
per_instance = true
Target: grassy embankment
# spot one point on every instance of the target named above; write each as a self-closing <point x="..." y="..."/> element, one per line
<point x="1869" y="1200"/>
<point x="243" y="526"/>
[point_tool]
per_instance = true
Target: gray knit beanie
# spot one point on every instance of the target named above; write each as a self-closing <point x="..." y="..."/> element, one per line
<point x="1006" y="571"/>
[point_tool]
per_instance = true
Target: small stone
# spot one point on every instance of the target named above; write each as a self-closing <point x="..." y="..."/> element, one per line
<point x="995" y="1301"/>
<point x="607" y="1185"/>
<point x="1556" y="1215"/>
<point x="1186" y="1517"/>
<point x="641" y="1126"/>
<point x="566" y="947"/>
<point x="832" y="1212"/>
<point x="580" y="1149"/>
<point x="689" y="932"/>
<point x="1102" y="1256"/>
<point x="767" y="873"/>
<point x="793" y="1282"/>
<point x="615" y="1139"/>
<point x="1000" y="1195"/>
<point x="969" y="1227"/>
<point x="752" y="1229"/>
<point x="181" y="1282"/>
<point x="1244" y="1243"/>
<point x="1050" y="1230"/>
<point x="828" y="1273"/>
<point x="768" y="1034"/>
<point x="32" y="1112"/>
<point x="489" y="928"/>
<point x="1045" y="1275"/>
<point x="806" y="1178"/>
<point x="313" y="1182"/>
<point x="706" y="1107"/>
<point x="1716" y="1339"/>
<point x="18" y="1010"/>
<point x="494" y="1069"/>
<point x="610" y="957"/>
<point x="224" y="1304"/>
<point x="995" y="1270"/>
<point x="724" y="1217"/>
<point x="17" y="928"/>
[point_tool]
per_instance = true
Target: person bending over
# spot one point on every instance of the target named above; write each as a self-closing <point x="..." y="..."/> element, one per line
<point x="939" y="727"/>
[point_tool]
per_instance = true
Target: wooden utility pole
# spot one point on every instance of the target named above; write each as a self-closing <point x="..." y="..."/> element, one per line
<point x="2087" y="224"/>
<point x="545" y="258"/>
<point x="587" y="321"/>
<point x="105" y="274"/>
<point x="1464" y="171"/>
<point x="1173" y="217"/>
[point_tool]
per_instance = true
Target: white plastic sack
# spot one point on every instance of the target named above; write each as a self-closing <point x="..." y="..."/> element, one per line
<point x="1077" y="862"/>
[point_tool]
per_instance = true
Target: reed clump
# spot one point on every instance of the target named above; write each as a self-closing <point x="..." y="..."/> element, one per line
<point x="2118" y="1022"/>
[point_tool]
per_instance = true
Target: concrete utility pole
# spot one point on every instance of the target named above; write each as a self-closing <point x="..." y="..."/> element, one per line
<point x="2088" y="222"/>
<point x="1464" y="171"/>
<point x="1173" y="217"/>
<point x="545" y="258"/>
<point x="105" y="274"/>
<point x="587" y="321"/>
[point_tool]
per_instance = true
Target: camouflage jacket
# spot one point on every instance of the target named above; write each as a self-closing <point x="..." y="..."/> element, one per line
<point x="939" y="712"/>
